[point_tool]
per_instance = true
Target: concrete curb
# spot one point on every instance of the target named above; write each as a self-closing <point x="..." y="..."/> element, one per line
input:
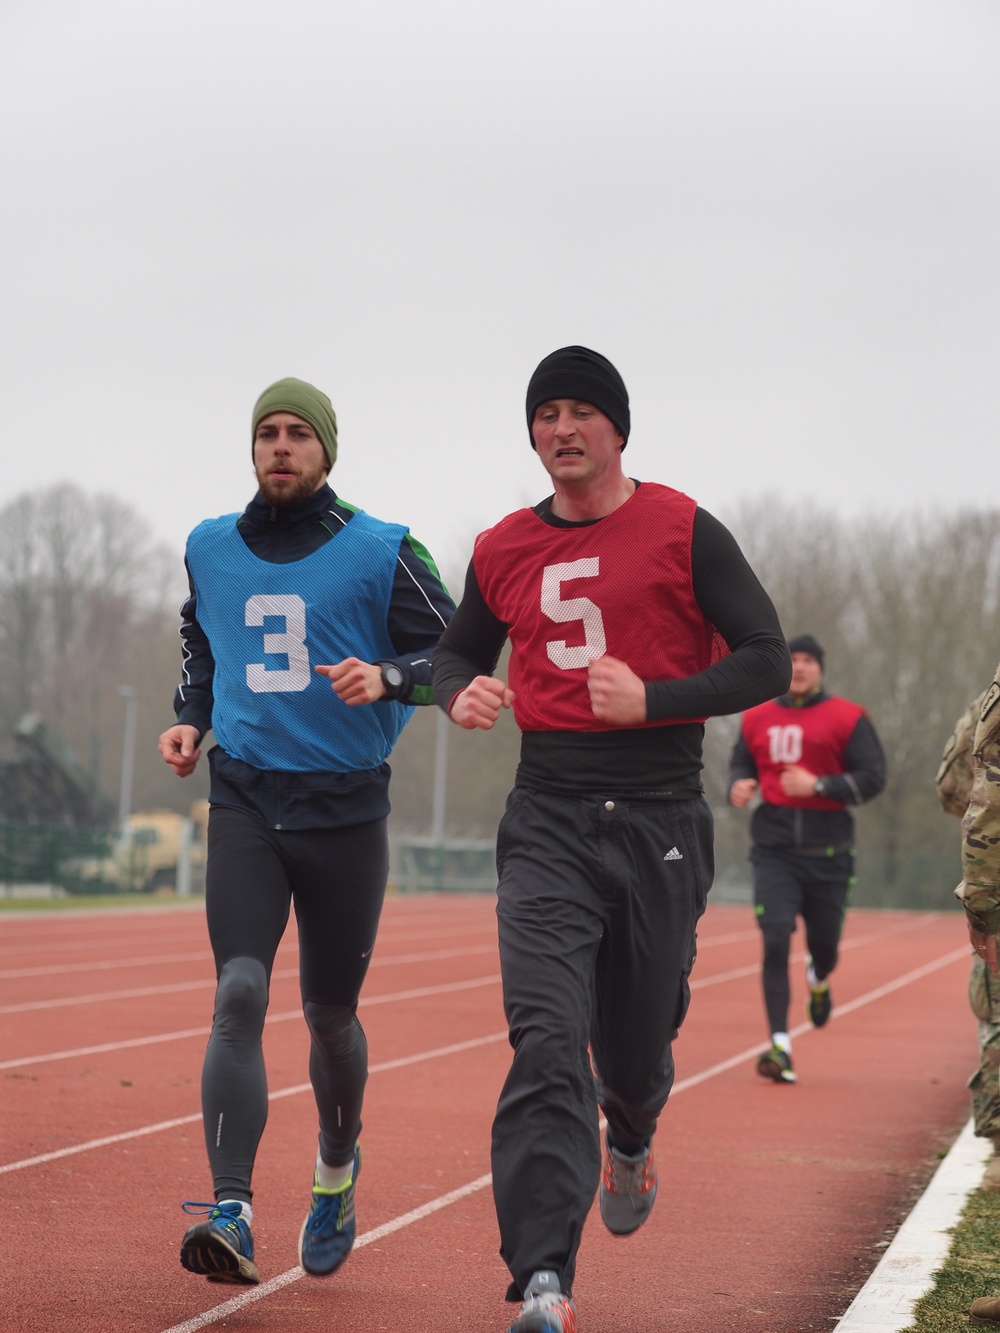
<point x="904" y="1273"/>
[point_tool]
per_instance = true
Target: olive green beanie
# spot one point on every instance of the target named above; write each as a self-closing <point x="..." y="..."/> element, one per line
<point x="305" y="401"/>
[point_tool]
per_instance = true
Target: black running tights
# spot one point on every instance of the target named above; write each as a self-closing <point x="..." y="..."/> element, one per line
<point x="336" y="878"/>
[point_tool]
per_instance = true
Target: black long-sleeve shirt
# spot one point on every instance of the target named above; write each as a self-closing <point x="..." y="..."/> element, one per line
<point x="657" y="762"/>
<point x="419" y="609"/>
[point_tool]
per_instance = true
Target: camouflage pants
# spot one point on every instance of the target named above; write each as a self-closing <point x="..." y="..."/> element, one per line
<point x="984" y="997"/>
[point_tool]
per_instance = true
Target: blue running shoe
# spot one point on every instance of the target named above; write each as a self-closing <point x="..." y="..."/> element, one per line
<point x="221" y="1249"/>
<point x="328" y="1232"/>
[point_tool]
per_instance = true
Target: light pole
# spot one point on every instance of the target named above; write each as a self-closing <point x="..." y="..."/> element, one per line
<point x="440" y="783"/>
<point x="131" y="696"/>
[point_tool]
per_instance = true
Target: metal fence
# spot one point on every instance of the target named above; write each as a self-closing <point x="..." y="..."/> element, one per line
<point x="421" y="865"/>
<point x="38" y="854"/>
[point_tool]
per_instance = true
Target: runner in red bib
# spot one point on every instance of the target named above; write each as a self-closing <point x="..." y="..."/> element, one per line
<point x="632" y="616"/>
<point x="809" y="755"/>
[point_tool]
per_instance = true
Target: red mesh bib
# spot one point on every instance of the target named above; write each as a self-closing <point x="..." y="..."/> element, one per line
<point x="620" y="586"/>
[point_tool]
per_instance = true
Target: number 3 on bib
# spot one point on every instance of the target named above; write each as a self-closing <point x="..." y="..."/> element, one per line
<point x="291" y="642"/>
<point x="564" y="610"/>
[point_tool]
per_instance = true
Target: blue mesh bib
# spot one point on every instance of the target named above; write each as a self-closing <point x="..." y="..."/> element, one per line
<point x="270" y="625"/>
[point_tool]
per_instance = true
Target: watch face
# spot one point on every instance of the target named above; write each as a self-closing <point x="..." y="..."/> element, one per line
<point x="392" y="676"/>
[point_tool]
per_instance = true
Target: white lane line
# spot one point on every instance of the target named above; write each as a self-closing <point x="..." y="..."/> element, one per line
<point x="183" y="1034"/>
<point x="103" y="965"/>
<point x="389" y="934"/>
<point x="734" y="937"/>
<point x="107" y="1047"/>
<point x="137" y="993"/>
<point x="18" y="950"/>
<point x="436" y="955"/>
<point x="738" y="973"/>
<point x="401" y="1062"/>
<point x="75" y="919"/>
<point x="205" y="955"/>
<point x="176" y="987"/>
<point x="293" y="1274"/>
<point x="839" y="1011"/>
<point x="391" y="997"/>
<point x="848" y="1007"/>
<point x="717" y="978"/>
<point x="698" y="983"/>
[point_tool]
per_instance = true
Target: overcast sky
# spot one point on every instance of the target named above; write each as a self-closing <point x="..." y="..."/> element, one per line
<point x="779" y="218"/>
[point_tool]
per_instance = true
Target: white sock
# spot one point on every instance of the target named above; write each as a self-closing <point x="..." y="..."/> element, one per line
<point x="333" y="1177"/>
<point x="246" y="1211"/>
<point x="783" y="1042"/>
<point x="813" y="981"/>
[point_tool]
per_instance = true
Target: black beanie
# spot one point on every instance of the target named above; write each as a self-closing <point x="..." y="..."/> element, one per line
<point x="805" y="643"/>
<point x="577" y="372"/>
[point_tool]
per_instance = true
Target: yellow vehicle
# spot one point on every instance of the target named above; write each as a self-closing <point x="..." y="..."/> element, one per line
<point x="155" y="849"/>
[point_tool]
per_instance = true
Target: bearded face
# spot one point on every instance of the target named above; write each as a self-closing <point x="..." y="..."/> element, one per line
<point x="289" y="459"/>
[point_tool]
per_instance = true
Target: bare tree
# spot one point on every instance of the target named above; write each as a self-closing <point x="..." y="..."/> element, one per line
<point x="82" y="583"/>
<point x="907" y="610"/>
<point x="22" y="612"/>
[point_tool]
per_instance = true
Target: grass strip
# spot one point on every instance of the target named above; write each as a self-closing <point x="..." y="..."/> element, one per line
<point x="85" y="902"/>
<point x="971" y="1270"/>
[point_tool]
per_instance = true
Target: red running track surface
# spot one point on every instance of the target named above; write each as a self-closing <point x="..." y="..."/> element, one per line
<point x="775" y="1202"/>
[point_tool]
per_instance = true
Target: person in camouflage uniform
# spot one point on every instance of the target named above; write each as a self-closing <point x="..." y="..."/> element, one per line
<point x="968" y="785"/>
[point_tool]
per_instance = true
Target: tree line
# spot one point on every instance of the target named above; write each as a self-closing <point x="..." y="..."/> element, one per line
<point x="907" y="608"/>
<point x="88" y="603"/>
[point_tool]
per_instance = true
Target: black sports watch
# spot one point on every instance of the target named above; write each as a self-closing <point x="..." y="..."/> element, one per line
<point x="392" y="679"/>
<point x="820" y="788"/>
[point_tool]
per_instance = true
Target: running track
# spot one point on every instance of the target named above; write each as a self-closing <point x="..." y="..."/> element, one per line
<point x="775" y="1202"/>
